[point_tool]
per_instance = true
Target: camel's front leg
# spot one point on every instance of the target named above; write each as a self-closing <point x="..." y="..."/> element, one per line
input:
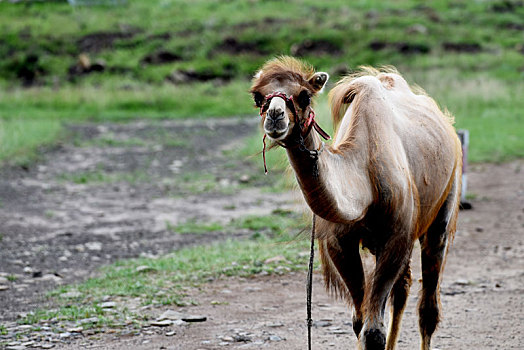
<point x="342" y="254"/>
<point x="392" y="261"/>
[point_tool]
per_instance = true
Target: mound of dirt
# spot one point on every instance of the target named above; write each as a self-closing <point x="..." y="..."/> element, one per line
<point x="315" y="48"/>
<point x="405" y="48"/>
<point x="233" y="46"/>
<point x="96" y="42"/>
<point x="161" y="57"/>
<point x="462" y="47"/>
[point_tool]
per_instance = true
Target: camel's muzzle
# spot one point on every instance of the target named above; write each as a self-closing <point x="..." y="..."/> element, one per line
<point x="276" y="122"/>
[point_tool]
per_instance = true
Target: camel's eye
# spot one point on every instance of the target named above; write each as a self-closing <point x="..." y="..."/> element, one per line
<point x="258" y="98"/>
<point x="304" y="99"/>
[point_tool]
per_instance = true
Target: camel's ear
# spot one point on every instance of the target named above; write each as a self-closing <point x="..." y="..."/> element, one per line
<point x="318" y="81"/>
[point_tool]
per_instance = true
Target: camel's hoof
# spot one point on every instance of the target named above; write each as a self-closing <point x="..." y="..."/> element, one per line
<point x="374" y="339"/>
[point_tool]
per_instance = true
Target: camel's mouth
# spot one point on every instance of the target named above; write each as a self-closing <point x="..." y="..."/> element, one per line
<point x="276" y="129"/>
<point x="277" y="135"/>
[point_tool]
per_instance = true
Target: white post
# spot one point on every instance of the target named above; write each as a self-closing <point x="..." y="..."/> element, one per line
<point x="464" y="140"/>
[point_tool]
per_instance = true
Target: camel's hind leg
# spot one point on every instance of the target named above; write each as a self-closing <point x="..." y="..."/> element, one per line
<point x="433" y="253"/>
<point x="399" y="296"/>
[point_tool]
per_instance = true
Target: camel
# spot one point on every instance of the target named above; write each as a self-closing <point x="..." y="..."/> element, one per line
<point x="391" y="176"/>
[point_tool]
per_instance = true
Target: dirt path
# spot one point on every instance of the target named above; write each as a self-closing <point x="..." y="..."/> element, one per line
<point x="112" y="194"/>
<point x="45" y="214"/>
<point x="482" y="291"/>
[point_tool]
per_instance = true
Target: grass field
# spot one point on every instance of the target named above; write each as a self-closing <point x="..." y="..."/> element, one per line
<point x="193" y="59"/>
<point x="174" y="59"/>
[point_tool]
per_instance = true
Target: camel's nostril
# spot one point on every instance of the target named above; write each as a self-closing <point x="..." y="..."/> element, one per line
<point x="275" y="114"/>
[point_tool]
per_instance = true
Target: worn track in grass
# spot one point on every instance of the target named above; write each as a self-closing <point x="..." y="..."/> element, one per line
<point x="110" y="195"/>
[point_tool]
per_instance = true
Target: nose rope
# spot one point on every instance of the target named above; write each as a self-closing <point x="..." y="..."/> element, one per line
<point x="264" y="153"/>
<point x="305" y="129"/>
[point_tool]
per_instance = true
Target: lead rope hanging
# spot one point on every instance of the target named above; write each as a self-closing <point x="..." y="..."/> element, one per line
<point x="310" y="283"/>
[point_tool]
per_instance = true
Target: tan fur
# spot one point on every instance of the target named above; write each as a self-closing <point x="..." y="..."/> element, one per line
<point x="391" y="176"/>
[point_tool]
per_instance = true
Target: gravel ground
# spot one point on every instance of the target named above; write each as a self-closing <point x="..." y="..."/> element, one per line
<point x="58" y="228"/>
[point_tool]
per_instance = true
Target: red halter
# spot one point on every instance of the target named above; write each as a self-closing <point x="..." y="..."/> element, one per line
<point x="305" y="128"/>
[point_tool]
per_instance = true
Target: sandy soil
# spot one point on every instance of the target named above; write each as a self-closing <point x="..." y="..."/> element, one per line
<point x="482" y="289"/>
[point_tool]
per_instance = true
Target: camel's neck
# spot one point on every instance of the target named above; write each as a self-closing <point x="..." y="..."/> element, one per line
<point x="341" y="192"/>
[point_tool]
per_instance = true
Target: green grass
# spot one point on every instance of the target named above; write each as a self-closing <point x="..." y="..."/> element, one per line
<point x="109" y="140"/>
<point x="12" y="278"/>
<point x="164" y="280"/>
<point x="277" y="224"/>
<point x="19" y="138"/>
<point x="194" y="227"/>
<point x="100" y="176"/>
<point x="197" y="31"/>
<point x="490" y="108"/>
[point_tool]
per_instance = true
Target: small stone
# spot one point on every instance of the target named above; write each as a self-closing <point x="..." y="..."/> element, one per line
<point x="194" y="318"/>
<point x="244" y="179"/>
<point x="28" y="269"/>
<point x="80" y="248"/>
<point x="242" y="338"/>
<point x="94" y="246"/>
<point x="322" y="323"/>
<point x="144" y="268"/>
<point x="462" y="282"/>
<point x="251" y="289"/>
<point x="163" y="323"/>
<point x="47" y="346"/>
<point x="108" y="305"/>
<point x="16" y="347"/>
<point x="227" y="338"/>
<point x="75" y="329"/>
<point x="64" y="335"/>
<point x="179" y="323"/>
<point x="275" y="259"/>
<point x="275" y="325"/>
<point x="417" y="29"/>
<point x="3" y="287"/>
<point x="88" y="320"/>
<point x="25" y="327"/>
<point x="72" y="294"/>
<point x="4" y="280"/>
<point x="51" y="277"/>
<point x="170" y="315"/>
<point x="274" y="338"/>
<point x="171" y="333"/>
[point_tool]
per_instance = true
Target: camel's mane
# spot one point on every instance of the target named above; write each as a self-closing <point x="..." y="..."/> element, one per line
<point x="283" y="67"/>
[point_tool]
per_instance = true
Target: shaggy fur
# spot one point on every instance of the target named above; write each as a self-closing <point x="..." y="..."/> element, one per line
<point x="391" y="176"/>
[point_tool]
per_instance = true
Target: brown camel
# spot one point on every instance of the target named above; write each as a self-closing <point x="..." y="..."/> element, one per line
<point x="391" y="176"/>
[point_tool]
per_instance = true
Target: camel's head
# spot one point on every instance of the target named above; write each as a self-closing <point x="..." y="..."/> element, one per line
<point x="283" y="89"/>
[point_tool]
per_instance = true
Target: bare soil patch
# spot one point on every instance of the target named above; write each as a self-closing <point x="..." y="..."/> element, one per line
<point x="44" y="216"/>
<point x="482" y="290"/>
<point x="110" y="194"/>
